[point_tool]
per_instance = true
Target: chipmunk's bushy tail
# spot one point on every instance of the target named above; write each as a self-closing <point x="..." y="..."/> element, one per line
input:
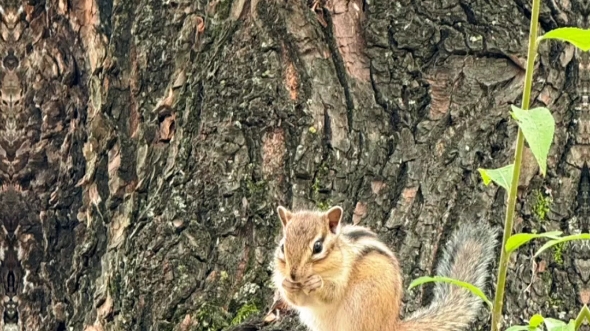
<point x="466" y="257"/>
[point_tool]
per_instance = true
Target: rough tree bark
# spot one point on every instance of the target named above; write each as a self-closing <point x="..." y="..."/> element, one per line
<point x="163" y="134"/>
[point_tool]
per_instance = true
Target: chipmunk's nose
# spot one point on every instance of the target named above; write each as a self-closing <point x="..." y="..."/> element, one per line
<point x="293" y="274"/>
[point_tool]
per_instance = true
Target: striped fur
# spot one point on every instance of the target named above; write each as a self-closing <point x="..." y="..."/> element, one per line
<point x="355" y="283"/>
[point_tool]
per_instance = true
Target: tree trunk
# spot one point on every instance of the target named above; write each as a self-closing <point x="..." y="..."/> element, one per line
<point x="156" y="139"/>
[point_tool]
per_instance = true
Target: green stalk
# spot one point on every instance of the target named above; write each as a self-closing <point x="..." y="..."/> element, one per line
<point x="508" y="222"/>
<point x="583" y="315"/>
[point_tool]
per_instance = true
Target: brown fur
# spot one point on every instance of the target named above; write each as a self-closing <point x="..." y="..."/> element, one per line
<point x="355" y="283"/>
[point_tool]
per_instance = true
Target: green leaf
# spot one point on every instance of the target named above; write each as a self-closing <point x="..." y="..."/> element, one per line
<point x="519" y="239"/>
<point x="578" y="37"/>
<point x="518" y="328"/>
<point x="557" y="325"/>
<point x="501" y="176"/>
<point x="538" y="127"/>
<point x="571" y="326"/>
<point x="581" y="236"/>
<point x="474" y="289"/>
<point x="535" y="321"/>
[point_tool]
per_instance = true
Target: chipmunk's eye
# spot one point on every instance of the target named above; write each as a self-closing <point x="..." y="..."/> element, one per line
<point x="317" y="247"/>
<point x="283" y="248"/>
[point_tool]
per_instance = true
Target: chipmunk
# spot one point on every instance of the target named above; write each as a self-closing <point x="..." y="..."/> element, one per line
<point x="343" y="278"/>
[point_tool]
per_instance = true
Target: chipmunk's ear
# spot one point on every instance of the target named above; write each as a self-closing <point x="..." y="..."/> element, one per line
<point x="284" y="215"/>
<point x="334" y="216"/>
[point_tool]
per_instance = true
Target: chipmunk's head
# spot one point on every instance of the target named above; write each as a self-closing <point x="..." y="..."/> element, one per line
<point x="308" y="239"/>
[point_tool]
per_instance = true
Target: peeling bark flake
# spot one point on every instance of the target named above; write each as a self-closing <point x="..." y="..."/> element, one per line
<point x="273" y="152"/>
<point x="346" y="19"/>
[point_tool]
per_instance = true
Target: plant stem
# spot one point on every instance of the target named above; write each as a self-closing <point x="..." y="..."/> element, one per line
<point x="583" y="315"/>
<point x="508" y="222"/>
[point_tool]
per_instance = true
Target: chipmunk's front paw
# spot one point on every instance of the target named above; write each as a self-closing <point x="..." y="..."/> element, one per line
<point x="290" y="286"/>
<point x="312" y="283"/>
